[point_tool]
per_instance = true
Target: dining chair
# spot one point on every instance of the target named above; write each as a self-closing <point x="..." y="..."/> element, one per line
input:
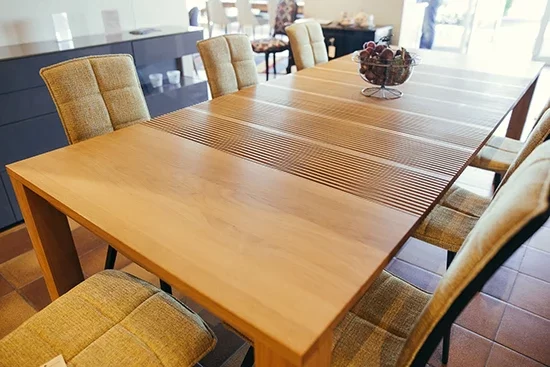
<point x="396" y="324"/>
<point x="96" y="95"/>
<point x="229" y="63"/>
<point x="246" y="17"/>
<point x="307" y="44"/>
<point x="499" y="152"/>
<point x="110" y="319"/>
<point x="285" y="15"/>
<point x="454" y="216"/>
<point x="215" y="12"/>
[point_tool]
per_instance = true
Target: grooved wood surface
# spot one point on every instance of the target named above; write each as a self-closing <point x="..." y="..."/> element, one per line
<point x="277" y="206"/>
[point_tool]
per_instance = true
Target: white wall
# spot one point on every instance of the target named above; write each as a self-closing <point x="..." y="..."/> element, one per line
<point x="386" y="12"/>
<point x="23" y="21"/>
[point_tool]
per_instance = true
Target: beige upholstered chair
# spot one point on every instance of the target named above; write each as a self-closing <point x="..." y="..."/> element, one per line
<point x="414" y="321"/>
<point x="110" y="319"/>
<point x="448" y="224"/>
<point x="397" y="324"/>
<point x="307" y="43"/>
<point x="229" y="63"/>
<point x="96" y="95"/>
<point x="499" y="152"/>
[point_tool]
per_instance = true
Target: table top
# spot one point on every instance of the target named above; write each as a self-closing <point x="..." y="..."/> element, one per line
<point x="277" y="206"/>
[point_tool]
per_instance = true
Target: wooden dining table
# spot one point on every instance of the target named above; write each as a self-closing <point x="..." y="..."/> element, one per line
<point x="275" y="207"/>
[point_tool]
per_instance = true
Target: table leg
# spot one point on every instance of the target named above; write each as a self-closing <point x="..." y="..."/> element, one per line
<point x="319" y="356"/>
<point x="52" y="241"/>
<point x="519" y="114"/>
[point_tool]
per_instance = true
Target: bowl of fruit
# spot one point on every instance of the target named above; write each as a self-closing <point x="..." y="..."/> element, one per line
<point x="385" y="67"/>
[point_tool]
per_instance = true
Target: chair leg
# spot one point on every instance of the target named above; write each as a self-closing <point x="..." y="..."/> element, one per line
<point x="248" y="360"/>
<point x="446" y="347"/>
<point x="165" y="286"/>
<point x="111" y="258"/>
<point x="447" y="337"/>
<point x="274" y="64"/>
<point x="496" y="180"/>
<point x="266" y="66"/>
<point x="450" y="257"/>
<point x="290" y="61"/>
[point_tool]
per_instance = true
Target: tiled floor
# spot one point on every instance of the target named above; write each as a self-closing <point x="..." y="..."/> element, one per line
<point x="508" y="324"/>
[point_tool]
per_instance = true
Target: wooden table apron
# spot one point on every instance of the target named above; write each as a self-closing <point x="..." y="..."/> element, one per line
<point x="277" y="206"/>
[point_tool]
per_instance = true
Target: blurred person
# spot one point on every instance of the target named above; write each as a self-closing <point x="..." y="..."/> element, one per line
<point x="428" y="26"/>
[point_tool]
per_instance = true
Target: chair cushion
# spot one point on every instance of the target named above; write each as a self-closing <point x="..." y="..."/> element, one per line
<point x="445" y="227"/>
<point x="111" y="319"/>
<point x="465" y="201"/>
<point x="374" y="331"/>
<point x="269" y="45"/>
<point x="493" y="159"/>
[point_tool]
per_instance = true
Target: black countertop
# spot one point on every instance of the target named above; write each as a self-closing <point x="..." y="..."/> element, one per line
<point x="45" y="47"/>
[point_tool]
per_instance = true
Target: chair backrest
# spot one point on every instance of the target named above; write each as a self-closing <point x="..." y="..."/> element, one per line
<point x="307" y="44"/>
<point x="216" y="12"/>
<point x="287" y="10"/>
<point x="272" y="12"/>
<point x="518" y="210"/>
<point x="245" y="15"/>
<point x="229" y="63"/>
<point x="95" y="95"/>
<point x="539" y="134"/>
<point x="194" y="17"/>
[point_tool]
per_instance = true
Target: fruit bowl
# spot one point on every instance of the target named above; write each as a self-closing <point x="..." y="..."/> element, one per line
<point x="385" y="67"/>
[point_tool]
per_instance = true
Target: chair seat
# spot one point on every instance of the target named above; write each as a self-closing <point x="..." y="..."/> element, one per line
<point x="498" y="154"/>
<point x="445" y="227"/>
<point x="465" y="201"/>
<point x="269" y="45"/>
<point x="373" y="333"/>
<point x="111" y="319"/>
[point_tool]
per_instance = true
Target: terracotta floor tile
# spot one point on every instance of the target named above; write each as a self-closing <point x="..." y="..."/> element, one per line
<point x="525" y="333"/>
<point x="36" y="294"/>
<point x="209" y="318"/>
<point x="85" y="241"/>
<point x="424" y="255"/>
<point x="541" y="240"/>
<point x="237" y="358"/>
<point x="13" y="312"/>
<point x="14" y="244"/>
<point x="228" y="344"/>
<point x="21" y="270"/>
<point x="467" y="350"/>
<point x="514" y="262"/>
<point x="536" y="263"/>
<point x="501" y="283"/>
<point x="482" y="315"/>
<point x="476" y="177"/>
<point x="141" y="273"/>
<point x="187" y="300"/>
<point x="5" y="286"/>
<point x="532" y="295"/>
<point x="421" y="278"/>
<point x="484" y="190"/>
<point x="503" y="357"/>
<point x="94" y="261"/>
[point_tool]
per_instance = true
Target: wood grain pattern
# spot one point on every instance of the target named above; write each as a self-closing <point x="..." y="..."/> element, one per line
<point x="275" y="207"/>
<point x="382" y="182"/>
<point x="52" y="241"/>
